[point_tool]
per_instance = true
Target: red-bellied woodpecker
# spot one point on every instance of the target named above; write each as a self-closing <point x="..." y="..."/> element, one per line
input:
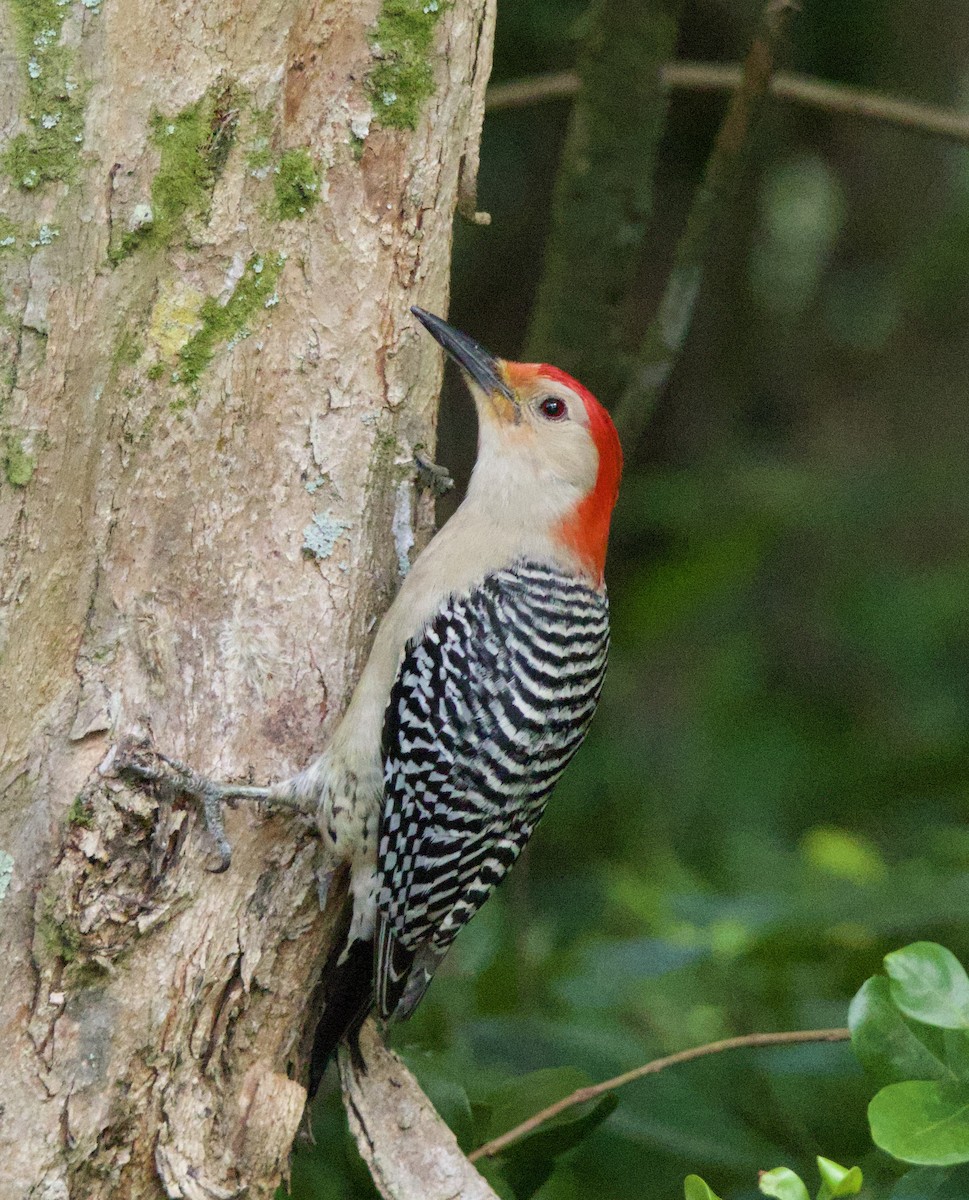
<point x="483" y="678"/>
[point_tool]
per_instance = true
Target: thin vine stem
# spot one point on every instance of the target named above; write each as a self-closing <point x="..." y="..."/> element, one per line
<point x="595" y="1090"/>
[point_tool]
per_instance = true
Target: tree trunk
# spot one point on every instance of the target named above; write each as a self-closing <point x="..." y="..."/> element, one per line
<point x="215" y="217"/>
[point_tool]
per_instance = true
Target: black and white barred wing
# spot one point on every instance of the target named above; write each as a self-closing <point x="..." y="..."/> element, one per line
<point x="487" y="710"/>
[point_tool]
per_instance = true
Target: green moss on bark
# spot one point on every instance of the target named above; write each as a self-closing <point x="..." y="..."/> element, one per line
<point x="47" y="150"/>
<point x="11" y="235"/>
<point x="128" y="350"/>
<point x="402" y="79"/>
<point x="61" y="941"/>
<point x="227" y="323"/>
<point x="297" y="184"/>
<point x="79" y="814"/>
<point x="18" y="465"/>
<point x="195" y="146"/>
<point x="259" y="158"/>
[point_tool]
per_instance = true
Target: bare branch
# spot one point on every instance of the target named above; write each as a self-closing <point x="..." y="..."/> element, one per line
<point x="594" y="1091"/>
<point x="534" y="89"/>
<point x="661" y="347"/>
<point x="410" y="1152"/>
<point x="836" y="98"/>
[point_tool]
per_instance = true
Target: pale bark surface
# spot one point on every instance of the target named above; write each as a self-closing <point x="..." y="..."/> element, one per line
<point x="410" y="1152"/>
<point x="152" y="566"/>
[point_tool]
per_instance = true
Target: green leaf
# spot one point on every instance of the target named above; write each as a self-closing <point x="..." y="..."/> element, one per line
<point x="844" y="854"/>
<point x="494" y="1172"/>
<point x="956" y="1049"/>
<point x="837" y="1180"/>
<point x="929" y="985"/>
<point x="921" y="1183"/>
<point x="568" y="1129"/>
<point x="528" y="1164"/>
<point x="922" y="1122"/>
<point x="447" y="1095"/>
<point x="694" y="1188"/>
<point x="932" y="1183"/>
<point x="521" y="1098"/>
<point x="451" y="1102"/>
<point x="885" y="1042"/>
<point x="782" y="1184"/>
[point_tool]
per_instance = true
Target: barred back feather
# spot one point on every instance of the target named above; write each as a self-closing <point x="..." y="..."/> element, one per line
<point x="489" y="706"/>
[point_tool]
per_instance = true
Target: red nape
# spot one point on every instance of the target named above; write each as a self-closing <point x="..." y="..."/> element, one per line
<point x="586" y="529"/>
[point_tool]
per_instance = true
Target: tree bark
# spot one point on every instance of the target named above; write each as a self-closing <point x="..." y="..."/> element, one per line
<point x="214" y="218"/>
<point x="410" y="1152"/>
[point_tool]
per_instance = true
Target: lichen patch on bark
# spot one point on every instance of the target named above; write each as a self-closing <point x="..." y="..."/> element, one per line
<point x="6" y="872"/>
<point x="322" y="534"/>
<point x="174" y="318"/>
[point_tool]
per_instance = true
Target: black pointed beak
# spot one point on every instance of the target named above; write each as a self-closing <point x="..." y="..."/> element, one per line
<point x="483" y="367"/>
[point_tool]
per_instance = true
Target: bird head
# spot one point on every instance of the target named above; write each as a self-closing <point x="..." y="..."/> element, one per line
<point x="548" y="451"/>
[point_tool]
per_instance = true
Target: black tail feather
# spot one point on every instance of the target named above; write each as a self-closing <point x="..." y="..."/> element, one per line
<point x="347" y="999"/>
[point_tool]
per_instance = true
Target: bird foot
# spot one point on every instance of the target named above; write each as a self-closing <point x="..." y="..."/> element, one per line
<point x="140" y="760"/>
<point x="431" y="476"/>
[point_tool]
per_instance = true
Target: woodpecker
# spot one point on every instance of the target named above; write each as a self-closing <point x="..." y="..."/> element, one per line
<point x="482" y="681"/>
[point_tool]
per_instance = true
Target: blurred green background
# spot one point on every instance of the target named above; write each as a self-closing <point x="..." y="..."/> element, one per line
<point x="775" y="791"/>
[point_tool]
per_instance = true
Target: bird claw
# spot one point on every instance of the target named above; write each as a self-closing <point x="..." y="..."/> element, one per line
<point x="211" y="797"/>
<point x="431" y="476"/>
<point x="142" y="762"/>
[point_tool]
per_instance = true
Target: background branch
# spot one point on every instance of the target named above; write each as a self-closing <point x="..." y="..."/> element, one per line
<point x="667" y="332"/>
<point x="595" y="1090"/>
<point x="602" y="202"/>
<point x="726" y="77"/>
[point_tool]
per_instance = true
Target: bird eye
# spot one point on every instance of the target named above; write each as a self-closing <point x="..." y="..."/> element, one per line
<point x="553" y="408"/>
